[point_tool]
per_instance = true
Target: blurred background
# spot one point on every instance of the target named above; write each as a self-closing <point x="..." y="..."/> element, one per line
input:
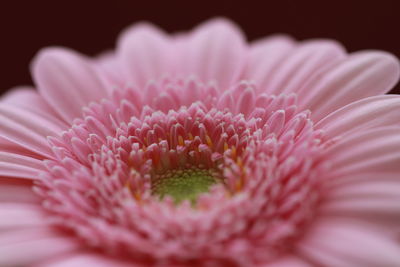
<point x="92" y="26"/>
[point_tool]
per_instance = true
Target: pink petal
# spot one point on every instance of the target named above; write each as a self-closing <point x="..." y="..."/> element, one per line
<point x="301" y="64"/>
<point x="17" y="191"/>
<point x="361" y="75"/>
<point x="371" y="112"/>
<point x="214" y="52"/>
<point x="87" y="259"/>
<point x="109" y="68"/>
<point x="367" y="164"/>
<point x="27" y="129"/>
<point x="144" y="52"/>
<point x="15" y="165"/>
<point x="67" y="81"/>
<point x="264" y="57"/>
<point x="374" y="199"/>
<point x="29" y="246"/>
<point x="27" y="98"/>
<point x="376" y="150"/>
<point x="289" y="261"/>
<point x="345" y="244"/>
<point x="21" y="215"/>
<point x="385" y="207"/>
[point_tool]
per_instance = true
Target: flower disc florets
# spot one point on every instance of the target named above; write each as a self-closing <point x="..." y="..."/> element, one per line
<point x="187" y="170"/>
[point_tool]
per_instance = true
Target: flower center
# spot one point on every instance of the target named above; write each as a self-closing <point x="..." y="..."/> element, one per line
<point x="184" y="184"/>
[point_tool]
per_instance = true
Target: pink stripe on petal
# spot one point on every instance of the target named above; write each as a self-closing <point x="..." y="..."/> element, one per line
<point x="378" y="188"/>
<point x="17" y="191"/>
<point x="67" y="81"/>
<point x="289" y="261"/>
<point x="371" y="205"/>
<point x="264" y="56"/>
<point x="349" y="245"/>
<point x="302" y="64"/>
<point x="13" y="215"/>
<point x="215" y="51"/>
<point x="28" y="98"/>
<point x="109" y="69"/>
<point x="31" y="249"/>
<point x="361" y="75"/>
<point x="371" y="112"/>
<point x="144" y="52"/>
<point x="362" y="177"/>
<point x="86" y="259"/>
<point x="372" y="150"/>
<point x="27" y="129"/>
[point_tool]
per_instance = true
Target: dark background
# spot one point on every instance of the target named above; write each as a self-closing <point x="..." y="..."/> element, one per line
<point x="92" y="26"/>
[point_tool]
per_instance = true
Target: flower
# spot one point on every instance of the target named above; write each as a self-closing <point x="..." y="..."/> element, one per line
<point x="199" y="149"/>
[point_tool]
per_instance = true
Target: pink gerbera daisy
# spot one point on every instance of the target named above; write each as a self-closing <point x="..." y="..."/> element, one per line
<point x="198" y="149"/>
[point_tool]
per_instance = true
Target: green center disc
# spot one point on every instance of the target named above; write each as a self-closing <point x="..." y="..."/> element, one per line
<point x="183" y="184"/>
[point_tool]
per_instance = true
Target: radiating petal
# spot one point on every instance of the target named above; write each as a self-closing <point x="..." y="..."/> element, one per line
<point x="28" y="98"/>
<point x="145" y="54"/>
<point x="84" y="259"/>
<point x="109" y="68"/>
<point x="364" y="177"/>
<point x="14" y="190"/>
<point x="361" y="75"/>
<point x="67" y="81"/>
<point x="214" y="52"/>
<point x="371" y="112"/>
<point x="21" y="215"/>
<point x="264" y="56"/>
<point x="31" y="245"/>
<point x="27" y="129"/>
<point x="286" y="261"/>
<point x="349" y="244"/>
<point x="300" y="65"/>
<point x="15" y="165"/>
<point x="375" y="150"/>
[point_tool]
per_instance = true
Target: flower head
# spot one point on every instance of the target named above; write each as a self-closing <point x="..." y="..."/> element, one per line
<point x="198" y="149"/>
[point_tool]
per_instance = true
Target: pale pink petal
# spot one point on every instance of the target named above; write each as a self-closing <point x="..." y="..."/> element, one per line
<point x="110" y="70"/>
<point x="144" y="52"/>
<point x="31" y="245"/>
<point x="361" y="75"/>
<point x="17" y="191"/>
<point x="214" y="52"/>
<point x="15" y="165"/>
<point x="28" y="98"/>
<point x="67" y="81"/>
<point x="12" y="147"/>
<point x="373" y="198"/>
<point x="301" y="64"/>
<point x="367" y="165"/>
<point x="21" y="215"/>
<point x="264" y="57"/>
<point x="85" y="259"/>
<point x="375" y="150"/>
<point x="384" y="208"/>
<point x="371" y="112"/>
<point x="288" y="261"/>
<point x="348" y="244"/>
<point x="27" y="129"/>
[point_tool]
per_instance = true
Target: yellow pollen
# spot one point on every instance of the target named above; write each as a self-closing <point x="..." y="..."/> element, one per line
<point x="180" y="140"/>
<point x="233" y="149"/>
<point x="226" y="147"/>
<point x="239" y="162"/>
<point x="191" y="136"/>
<point x="209" y="141"/>
<point x="128" y="186"/>
<point x="239" y="185"/>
